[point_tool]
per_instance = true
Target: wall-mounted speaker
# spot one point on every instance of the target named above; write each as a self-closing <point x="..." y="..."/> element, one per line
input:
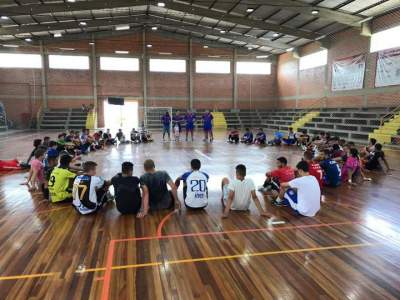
<point x="116" y="100"/>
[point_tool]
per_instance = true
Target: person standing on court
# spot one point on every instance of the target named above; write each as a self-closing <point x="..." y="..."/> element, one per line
<point x="190" y="119"/>
<point x="166" y="121"/>
<point x="208" y="126"/>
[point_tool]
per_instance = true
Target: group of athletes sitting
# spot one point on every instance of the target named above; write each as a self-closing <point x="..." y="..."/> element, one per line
<point x="327" y="162"/>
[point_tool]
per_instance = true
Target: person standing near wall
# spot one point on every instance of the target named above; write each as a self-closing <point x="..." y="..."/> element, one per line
<point x="208" y="126"/>
<point x="190" y="119"/>
<point x="166" y="121"/>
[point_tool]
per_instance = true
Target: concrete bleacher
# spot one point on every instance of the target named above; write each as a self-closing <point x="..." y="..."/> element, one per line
<point x="61" y="119"/>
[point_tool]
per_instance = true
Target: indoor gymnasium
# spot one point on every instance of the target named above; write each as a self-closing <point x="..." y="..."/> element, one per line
<point x="199" y="149"/>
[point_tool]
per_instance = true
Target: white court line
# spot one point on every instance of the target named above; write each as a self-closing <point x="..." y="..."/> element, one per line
<point x="202" y="154"/>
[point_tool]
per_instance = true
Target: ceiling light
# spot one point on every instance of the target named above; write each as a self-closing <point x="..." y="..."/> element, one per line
<point x="275" y="34"/>
<point x="91" y="43"/>
<point x="121" y="52"/>
<point x="161" y="4"/>
<point x="250" y="10"/>
<point x="4" y="18"/>
<point x="249" y="48"/>
<point x="82" y="23"/>
<point x="149" y="45"/>
<point x="223" y="31"/>
<point x="205" y="47"/>
<point x="57" y="35"/>
<point x="28" y="40"/>
<point x="165" y="53"/>
<point x="315" y="12"/>
<point x="154" y="28"/>
<point x="123" y="27"/>
<point x="67" y="49"/>
<point x="262" y="56"/>
<point x="289" y="49"/>
<point x="71" y="1"/>
<point x="10" y="46"/>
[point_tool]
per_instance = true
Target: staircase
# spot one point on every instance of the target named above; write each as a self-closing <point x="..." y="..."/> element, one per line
<point x="388" y="130"/>
<point x="61" y="119"/>
<point x="219" y="120"/>
<point x="304" y="119"/>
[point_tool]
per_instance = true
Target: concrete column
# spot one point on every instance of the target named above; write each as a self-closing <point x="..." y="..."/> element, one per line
<point x="190" y="71"/>
<point x="44" y="73"/>
<point x="297" y="82"/>
<point x="234" y="80"/>
<point x="93" y="64"/>
<point x="144" y="74"/>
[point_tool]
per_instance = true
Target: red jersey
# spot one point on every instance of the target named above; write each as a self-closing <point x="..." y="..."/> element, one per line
<point x="284" y="174"/>
<point x="316" y="171"/>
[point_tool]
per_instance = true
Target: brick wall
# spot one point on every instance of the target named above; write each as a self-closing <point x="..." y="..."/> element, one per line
<point x="72" y="88"/>
<point x="312" y="88"/>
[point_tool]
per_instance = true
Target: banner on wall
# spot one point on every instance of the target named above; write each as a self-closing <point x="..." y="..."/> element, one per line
<point x="348" y="73"/>
<point x="388" y="68"/>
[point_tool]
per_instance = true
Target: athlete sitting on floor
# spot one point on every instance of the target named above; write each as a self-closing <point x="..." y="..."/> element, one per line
<point x="155" y="187"/>
<point x="233" y="135"/>
<point x="332" y="173"/>
<point x="247" y="137"/>
<point x="195" y="191"/>
<point x="261" y="138"/>
<point x="237" y="194"/>
<point x="89" y="191"/>
<point x="127" y="192"/>
<point x="302" y="194"/>
<point x="282" y="174"/>
<point x="61" y="181"/>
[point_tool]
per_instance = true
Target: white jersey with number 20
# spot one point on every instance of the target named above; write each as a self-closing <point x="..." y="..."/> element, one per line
<point x="196" y="194"/>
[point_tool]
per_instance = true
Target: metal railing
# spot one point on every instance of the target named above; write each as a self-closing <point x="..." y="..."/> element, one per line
<point x="389" y="115"/>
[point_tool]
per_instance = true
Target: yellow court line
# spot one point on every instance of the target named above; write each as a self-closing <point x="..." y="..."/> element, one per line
<point x="201" y="259"/>
<point x="28" y="276"/>
<point x="214" y="258"/>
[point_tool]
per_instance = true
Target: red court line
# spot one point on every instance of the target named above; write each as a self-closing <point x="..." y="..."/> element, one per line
<point x="107" y="275"/>
<point x="163" y="221"/>
<point x="236" y="231"/>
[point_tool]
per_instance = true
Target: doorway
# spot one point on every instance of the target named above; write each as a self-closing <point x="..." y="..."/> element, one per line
<point x="124" y="116"/>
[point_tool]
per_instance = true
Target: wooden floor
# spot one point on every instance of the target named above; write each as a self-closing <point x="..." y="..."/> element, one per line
<point x="350" y="250"/>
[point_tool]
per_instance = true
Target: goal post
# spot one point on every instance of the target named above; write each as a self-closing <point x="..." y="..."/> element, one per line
<point x="150" y="117"/>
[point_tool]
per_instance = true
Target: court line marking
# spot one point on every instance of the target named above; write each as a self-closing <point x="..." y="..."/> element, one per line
<point x="28" y="276"/>
<point x="202" y="154"/>
<point x="163" y="221"/>
<point x="206" y="233"/>
<point x="107" y="275"/>
<point x="111" y="247"/>
<point x="236" y="256"/>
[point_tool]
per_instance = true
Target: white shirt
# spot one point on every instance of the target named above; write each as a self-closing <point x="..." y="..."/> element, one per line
<point x="308" y="195"/>
<point x="80" y="190"/>
<point x="196" y="193"/>
<point x="242" y="196"/>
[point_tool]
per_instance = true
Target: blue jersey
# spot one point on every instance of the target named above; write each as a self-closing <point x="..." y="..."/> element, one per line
<point x="166" y="120"/>
<point x="248" y="137"/>
<point x="261" y="136"/>
<point x="332" y="171"/>
<point x="190" y="120"/>
<point x="207" y="119"/>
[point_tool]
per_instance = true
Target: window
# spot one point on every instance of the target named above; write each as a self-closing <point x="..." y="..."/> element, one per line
<point x="14" y="60"/>
<point x="316" y="59"/>
<point x="71" y="62"/>
<point x="168" y="65"/>
<point x="119" y="64"/>
<point x="386" y="39"/>
<point x="213" y="66"/>
<point x="256" y="68"/>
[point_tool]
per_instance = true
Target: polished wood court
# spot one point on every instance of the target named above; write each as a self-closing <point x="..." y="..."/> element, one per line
<point x="350" y="250"/>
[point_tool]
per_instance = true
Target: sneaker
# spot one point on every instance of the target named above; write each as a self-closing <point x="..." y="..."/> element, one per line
<point x="109" y="197"/>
